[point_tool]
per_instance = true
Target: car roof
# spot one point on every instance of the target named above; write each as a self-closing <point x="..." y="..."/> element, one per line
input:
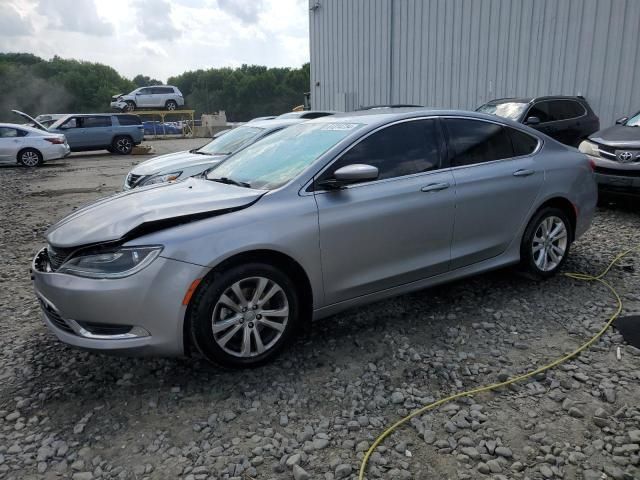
<point x="24" y="127"/>
<point x="276" y="123"/>
<point x="536" y="99"/>
<point x="383" y="116"/>
<point x="304" y="112"/>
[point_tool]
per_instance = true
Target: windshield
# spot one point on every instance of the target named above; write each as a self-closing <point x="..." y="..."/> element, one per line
<point x="231" y="141"/>
<point x="278" y="158"/>
<point x="510" y="110"/>
<point x="634" y="121"/>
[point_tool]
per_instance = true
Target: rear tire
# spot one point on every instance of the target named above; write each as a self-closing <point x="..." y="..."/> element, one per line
<point x="546" y="242"/>
<point x="30" y="157"/>
<point x="171" y="105"/>
<point x="243" y="317"/>
<point x="122" y="145"/>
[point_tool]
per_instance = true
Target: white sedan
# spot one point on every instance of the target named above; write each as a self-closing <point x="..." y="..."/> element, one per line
<point x="29" y="146"/>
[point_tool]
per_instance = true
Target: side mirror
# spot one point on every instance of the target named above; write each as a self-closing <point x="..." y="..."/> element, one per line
<point x="355" y="173"/>
<point x="532" y="121"/>
<point x="622" y="121"/>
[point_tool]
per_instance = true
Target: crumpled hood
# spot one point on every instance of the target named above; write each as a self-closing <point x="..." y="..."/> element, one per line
<point x="175" y="162"/>
<point x="618" y="136"/>
<point x="148" y="208"/>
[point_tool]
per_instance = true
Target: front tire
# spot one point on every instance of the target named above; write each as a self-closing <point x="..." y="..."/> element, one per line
<point x="130" y="107"/>
<point x="30" y="157"/>
<point x="244" y="316"/>
<point x="122" y="145"/>
<point x="546" y="242"/>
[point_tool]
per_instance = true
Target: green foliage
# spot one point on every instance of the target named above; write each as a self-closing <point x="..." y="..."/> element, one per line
<point x="145" y="81"/>
<point x="35" y="86"/>
<point x="244" y="93"/>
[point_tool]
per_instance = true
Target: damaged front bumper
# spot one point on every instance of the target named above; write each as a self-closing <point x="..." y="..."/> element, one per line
<point x="137" y="315"/>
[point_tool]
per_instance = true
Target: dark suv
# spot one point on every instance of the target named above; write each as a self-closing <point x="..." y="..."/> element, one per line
<point x="567" y="119"/>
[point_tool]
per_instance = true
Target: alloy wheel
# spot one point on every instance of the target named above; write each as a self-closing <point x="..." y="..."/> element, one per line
<point x="30" y="159"/>
<point x="549" y="244"/>
<point x="250" y="317"/>
<point x="171" y="106"/>
<point x="123" y="145"/>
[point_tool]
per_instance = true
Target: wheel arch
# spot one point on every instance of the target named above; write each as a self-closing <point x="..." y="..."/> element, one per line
<point x="563" y="204"/>
<point x="28" y="148"/>
<point x="280" y="260"/>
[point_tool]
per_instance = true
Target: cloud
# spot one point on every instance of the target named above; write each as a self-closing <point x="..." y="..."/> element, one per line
<point x="74" y="16"/>
<point x="155" y="20"/>
<point x="12" y="24"/>
<point x="163" y="39"/>
<point x="246" y="11"/>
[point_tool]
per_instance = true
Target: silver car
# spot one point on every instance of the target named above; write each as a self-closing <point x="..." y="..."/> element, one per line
<point x="30" y="147"/>
<point x="181" y="165"/>
<point x="321" y="216"/>
<point x="158" y="96"/>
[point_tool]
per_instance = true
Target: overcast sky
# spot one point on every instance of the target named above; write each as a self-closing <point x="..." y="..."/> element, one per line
<point x="159" y="38"/>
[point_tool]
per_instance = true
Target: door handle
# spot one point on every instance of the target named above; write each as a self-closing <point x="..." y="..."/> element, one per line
<point x="434" y="187"/>
<point x="523" y="173"/>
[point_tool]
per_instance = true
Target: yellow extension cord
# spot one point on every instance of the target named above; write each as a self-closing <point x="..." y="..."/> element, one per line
<point x="555" y="363"/>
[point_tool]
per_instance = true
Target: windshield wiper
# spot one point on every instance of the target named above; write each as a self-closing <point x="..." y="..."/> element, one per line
<point x="231" y="181"/>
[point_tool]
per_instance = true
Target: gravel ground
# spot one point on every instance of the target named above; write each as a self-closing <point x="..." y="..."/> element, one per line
<point x="65" y="413"/>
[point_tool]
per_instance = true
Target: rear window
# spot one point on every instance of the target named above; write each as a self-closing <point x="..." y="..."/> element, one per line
<point x="129" y="120"/>
<point x="523" y="144"/>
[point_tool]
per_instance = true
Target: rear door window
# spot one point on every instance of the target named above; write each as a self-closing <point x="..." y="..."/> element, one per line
<point x="129" y="120"/>
<point x="568" y="109"/>
<point x="162" y="90"/>
<point x="402" y="149"/>
<point x="94" y="122"/>
<point x="475" y="141"/>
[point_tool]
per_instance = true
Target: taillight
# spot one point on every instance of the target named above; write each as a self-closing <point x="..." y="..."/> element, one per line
<point x="55" y="140"/>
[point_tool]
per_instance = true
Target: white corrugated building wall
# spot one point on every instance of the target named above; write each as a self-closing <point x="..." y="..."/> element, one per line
<point x="462" y="53"/>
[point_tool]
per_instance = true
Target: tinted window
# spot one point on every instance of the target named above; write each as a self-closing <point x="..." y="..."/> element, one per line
<point x="129" y="120"/>
<point x="6" y="132"/>
<point x="554" y="110"/>
<point x="162" y="90"/>
<point x="93" y="122"/>
<point x="475" y="141"/>
<point x="145" y="91"/>
<point x="402" y="149"/>
<point x="570" y="109"/>
<point x="523" y="144"/>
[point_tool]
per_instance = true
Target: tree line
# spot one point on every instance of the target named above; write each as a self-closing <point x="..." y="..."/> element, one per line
<point x="36" y="86"/>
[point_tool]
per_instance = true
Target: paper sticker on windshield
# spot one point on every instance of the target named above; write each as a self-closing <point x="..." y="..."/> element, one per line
<point x="340" y="126"/>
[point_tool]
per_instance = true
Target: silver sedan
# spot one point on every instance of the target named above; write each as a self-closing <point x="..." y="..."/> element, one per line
<point x="319" y="217"/>
<point x="30" y="147"/>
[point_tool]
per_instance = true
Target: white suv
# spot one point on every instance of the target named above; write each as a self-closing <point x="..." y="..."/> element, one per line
<point x="158" y="96"/>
